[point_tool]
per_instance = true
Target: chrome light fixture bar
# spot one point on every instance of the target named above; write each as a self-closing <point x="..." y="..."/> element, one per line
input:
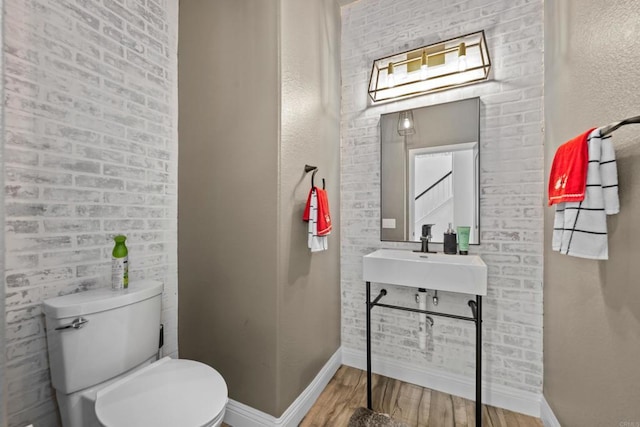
<point x="448" y="64"/>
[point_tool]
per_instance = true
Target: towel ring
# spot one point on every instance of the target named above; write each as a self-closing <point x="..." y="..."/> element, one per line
<point x="309" y="168"/>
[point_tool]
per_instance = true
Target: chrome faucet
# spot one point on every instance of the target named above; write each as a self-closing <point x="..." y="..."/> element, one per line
<point x="425" y="238"/>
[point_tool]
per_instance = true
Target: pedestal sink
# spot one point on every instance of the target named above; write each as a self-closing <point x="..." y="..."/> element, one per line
<point x="465" y="274"/>
<point x="453" y="273"/>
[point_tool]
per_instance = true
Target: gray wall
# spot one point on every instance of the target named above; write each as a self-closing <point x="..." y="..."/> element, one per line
<point x="308" y="284"/>
<point x="591" y="310"/>
<point x="254" y="303"/>
<point x="227" y="227"/>
<point x="394" y="169"/>
<point x="90" y="151"/>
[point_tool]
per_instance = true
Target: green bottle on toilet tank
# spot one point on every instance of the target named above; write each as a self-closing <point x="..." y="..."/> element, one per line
<point x="120" y="264"/>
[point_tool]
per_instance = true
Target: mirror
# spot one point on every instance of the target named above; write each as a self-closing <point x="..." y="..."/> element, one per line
<point x="430" y="172"/>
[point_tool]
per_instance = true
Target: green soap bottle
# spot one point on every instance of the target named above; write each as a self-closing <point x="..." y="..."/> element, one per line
<point x="120" y="264"/>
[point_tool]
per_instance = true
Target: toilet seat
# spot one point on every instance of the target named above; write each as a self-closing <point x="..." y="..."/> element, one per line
<point x="167" y="393"/>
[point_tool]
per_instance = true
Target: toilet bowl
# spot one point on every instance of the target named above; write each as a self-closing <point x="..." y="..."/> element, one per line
<point x="102" y="347"/>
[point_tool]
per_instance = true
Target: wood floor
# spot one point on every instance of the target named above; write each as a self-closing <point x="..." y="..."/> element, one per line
<point x="414" y="405"/>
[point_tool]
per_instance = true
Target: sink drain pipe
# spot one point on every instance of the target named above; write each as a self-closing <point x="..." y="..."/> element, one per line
<point x="421" y="299"/>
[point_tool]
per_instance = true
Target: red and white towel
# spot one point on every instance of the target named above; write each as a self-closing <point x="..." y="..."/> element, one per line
<point x="568" y="177"/>
<point x="580" y="227"/>
<point x="324" y="216"/>
<point x="316" y="212"/>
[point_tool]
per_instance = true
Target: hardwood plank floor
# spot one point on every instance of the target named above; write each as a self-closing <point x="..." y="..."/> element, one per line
<point x="409" y="403"/>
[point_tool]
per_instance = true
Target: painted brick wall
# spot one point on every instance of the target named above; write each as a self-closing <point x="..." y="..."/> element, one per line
<point x="511" y="184"/>
<point x="3" y="384"/>
<point x="90" y="152"/>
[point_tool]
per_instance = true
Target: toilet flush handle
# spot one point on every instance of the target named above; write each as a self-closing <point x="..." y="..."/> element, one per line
<point x="76" y="324"/>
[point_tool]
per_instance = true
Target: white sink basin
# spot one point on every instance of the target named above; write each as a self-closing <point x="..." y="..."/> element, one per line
<point x="453" y="273"/>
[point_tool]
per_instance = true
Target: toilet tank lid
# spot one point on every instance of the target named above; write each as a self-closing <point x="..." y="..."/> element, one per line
<point x="94" y="301"/>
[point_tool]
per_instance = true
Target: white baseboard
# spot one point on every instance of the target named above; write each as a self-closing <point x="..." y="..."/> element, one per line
<point x="546" y="414"/>
<point x="241" y="415"/>
<point x="492" y="394"/>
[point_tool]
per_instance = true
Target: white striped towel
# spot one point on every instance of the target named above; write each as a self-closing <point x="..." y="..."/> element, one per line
<point x="580" y="228"/>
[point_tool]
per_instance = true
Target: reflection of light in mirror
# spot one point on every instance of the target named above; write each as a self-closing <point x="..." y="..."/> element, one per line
<point x="405" y="123"/>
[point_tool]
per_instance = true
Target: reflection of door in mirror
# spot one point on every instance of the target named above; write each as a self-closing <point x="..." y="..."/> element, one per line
<point x="441" y="183"/>
<point x="430" y="182"/>
<point x="430" y="175"/>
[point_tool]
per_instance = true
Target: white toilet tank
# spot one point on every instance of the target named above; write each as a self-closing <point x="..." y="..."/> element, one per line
<point x="114" y="332"/>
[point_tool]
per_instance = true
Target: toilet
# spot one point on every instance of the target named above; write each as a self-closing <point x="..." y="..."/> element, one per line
<point x="102" y="354"/>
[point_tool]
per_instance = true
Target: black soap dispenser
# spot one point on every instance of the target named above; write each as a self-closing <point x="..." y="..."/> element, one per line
<point x="450" y="246"/>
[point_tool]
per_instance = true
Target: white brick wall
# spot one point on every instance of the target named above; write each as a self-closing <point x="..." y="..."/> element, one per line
<point x="3" y="390"/>
<point x="90" y="152"/>
<point x="511" y="184"/>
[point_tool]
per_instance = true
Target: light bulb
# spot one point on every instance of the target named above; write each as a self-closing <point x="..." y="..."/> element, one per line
<point x="462" y="63"/>
<point x="391" y="79"/>
<point x="462" y="57"/>
<point x="423" y="66"/>
<point x="406" y="123"/>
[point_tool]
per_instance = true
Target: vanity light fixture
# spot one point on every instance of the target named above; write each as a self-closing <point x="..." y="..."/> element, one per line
<point x="444" y="65"/>
<point x="405" y="123"/>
